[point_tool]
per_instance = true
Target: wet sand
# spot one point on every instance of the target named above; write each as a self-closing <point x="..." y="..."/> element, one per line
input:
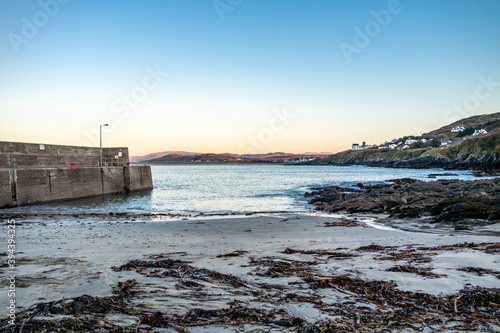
<point x="68" y="256"/>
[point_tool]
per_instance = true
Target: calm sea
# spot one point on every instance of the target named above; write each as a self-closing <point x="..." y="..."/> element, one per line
<point x="231" y="189"/>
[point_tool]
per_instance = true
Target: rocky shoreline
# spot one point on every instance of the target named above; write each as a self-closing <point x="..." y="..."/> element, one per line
<point x="489" y="163"/>
<point x="462" y="203"/>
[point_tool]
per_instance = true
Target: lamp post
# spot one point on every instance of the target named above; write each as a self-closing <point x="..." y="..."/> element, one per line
<point x="100" y="141"/>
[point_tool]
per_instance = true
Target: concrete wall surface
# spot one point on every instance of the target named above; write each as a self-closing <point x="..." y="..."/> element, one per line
<point x="45" y="155"/>
<point x="137" y="178"/>
<point x="38" y="185"/>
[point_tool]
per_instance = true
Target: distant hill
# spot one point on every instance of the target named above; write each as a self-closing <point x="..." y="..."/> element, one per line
<point x="160" y="154"/>
<point x="177" y="158"/>
<point x="490" y="122"/>
<point x="439" y="148"/>
<point x="188" y="158"/>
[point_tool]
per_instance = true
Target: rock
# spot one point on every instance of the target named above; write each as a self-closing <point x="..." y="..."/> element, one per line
<point x="458" y="206"/>
<point x="434" y="175"/>
<point x="391" y="202"/>
<point x="462" y="227"/>
<point x="445" y="200"/>
<point x="408" y="213"/>
<point x="493" y="216"/>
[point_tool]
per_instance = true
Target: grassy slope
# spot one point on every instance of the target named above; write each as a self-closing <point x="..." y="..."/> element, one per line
<point x="483" y="145"/>
<point x="478" y="146"/>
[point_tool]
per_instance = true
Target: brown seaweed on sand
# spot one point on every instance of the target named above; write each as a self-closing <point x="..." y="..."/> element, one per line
<point x="281" y="267"/>
<point x="489" y="248"/>
<point x="347" y="302"/>
<point x="343" y="223"/>
<point x="79" y="314"/>
<point x="231" y="316"/>
<point x="329" y="254"/>
<point x="470" y="309"/>
<point x="479" y="271"/>
<point x="180" y="269"/>
<point x="236" y="253"/>
<point x="422" y="271"/>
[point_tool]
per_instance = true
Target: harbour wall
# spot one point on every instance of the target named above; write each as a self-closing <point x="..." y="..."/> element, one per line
<point x="22" y="154"/>
<point x="24" y="186"/>
<point x="29" y="174"/>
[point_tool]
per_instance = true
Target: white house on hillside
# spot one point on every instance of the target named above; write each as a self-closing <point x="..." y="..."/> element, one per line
<point x="410" y="141"/>
<point x="458" y="129"/>
<point x="480" y="131"/>
<point x="356" y="146"/>
<point x="446" y="142"/>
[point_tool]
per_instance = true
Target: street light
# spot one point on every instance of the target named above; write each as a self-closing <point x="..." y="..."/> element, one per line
<point x="100" y="140"/>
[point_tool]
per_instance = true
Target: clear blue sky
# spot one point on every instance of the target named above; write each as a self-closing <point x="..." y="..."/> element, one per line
<point x="243" y="76"/>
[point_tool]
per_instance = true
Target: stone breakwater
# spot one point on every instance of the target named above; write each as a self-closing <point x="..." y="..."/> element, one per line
<point x="449" y="200"/>
<point x="37" y="173"/>
<point x="38" y="185"/>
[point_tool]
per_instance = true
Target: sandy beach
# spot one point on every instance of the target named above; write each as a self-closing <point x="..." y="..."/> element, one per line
<point x="261" y="262"/>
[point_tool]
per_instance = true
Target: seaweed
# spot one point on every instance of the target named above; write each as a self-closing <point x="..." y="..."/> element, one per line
<point x="177" y="268"/>
<point x="330" y="254"/>
<point x="236" y="253"/>
<point x="489" y="248"/>
<point x="226" y="316"/>
<point x="78" y="314"/>
<point x="343" y="223"/>
<point x="352" y="303"/>
<point x="479" y="271"/>
<point x="280" y="267"/>
<point x="422" y="271"/>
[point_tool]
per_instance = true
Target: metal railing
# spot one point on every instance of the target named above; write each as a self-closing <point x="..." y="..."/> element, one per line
<point x="112" y="162"/>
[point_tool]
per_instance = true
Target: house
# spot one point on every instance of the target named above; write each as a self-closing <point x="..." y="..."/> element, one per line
<point x="405" y="147"/>
<point x="458" y="129"/>
<point x="423" y="140"/>
<point x="356" y="146"/>
<point x="479" y="131"/>
<point x="410" y="141"/>
<point x="392" y="146"/>
<point x="446" y="142"/>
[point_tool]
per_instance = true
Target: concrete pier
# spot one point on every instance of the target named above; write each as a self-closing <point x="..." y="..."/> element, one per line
<point x="35" y="173"/>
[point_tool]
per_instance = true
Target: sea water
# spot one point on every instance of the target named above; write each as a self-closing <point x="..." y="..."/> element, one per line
<point x="232" y="189"/>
